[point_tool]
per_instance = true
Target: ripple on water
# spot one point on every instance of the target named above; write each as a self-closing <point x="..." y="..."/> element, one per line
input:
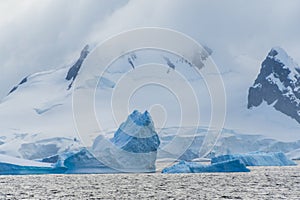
<point x="260" y="183"/>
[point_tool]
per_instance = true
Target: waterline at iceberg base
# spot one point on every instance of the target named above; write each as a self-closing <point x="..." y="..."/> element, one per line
<point x="232" y="163"/>
<point x="132" y="149"/>
<point x="194" y="167"/>
<point x="257" y="159"/>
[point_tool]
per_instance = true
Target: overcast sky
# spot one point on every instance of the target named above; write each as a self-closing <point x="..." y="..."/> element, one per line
<point x="39" y="35"/>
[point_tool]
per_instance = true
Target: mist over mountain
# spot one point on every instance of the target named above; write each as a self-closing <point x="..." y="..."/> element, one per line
<point x="38" y="121"/>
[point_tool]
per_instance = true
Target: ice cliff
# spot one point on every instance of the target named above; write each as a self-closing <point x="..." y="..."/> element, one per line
<point x="133" y="147"/>
<point x="257" y="159"/>
<point x="194" y="167"/>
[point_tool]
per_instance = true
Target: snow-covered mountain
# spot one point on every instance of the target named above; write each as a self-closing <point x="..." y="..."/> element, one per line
<point x="252" y="95"/>
<point x="36" y="118"/>
<point x="278" y="84"/>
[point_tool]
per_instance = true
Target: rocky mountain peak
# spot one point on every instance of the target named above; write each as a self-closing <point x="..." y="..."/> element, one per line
<point x="73" y="72"/>
<point x="277" y="84"/>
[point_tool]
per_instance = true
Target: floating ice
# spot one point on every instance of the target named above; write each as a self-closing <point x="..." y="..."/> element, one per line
<point x="257" y="159"/>
<point x="133" y="147"/>
<point x="17" y="166"/>
<point x="193" y="167"/>
<point x="82" y="162"/>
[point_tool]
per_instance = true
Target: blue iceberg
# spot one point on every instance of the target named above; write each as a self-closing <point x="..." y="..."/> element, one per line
<point x="17" y="166"/>
<point x="193" y="167"/>
<point x="137" y="134"/>
<point x="82" y="162"/>
<point x="133" y="147"/>
<point x="257" y="159"/>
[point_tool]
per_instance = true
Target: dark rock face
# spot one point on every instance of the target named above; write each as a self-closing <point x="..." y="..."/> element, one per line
<point x="278" y="83"/>
<point x="24" y="80"/>
<point x="73" y="72"/>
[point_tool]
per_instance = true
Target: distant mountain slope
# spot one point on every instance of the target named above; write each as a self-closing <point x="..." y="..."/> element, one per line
<point x="36" y="116"/>
<point x="36" y="119"/>
<point x="230" y="142"/>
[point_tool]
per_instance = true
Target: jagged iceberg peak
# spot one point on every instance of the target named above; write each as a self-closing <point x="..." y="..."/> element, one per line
<point x="133" y="147"/>
<point x="139" y="125"/>
<point x="137" y="134"/>
<point x="141" y="119"/>
<point x="73" y="72"/>
<point x="278" y="83"/>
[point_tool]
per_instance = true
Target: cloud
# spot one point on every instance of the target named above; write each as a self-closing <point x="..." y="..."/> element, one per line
<point x="41" y="35"/>
<point x="38" y="35"/>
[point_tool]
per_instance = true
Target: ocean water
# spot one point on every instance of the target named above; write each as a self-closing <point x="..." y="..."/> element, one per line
<point x="260" y="183"/>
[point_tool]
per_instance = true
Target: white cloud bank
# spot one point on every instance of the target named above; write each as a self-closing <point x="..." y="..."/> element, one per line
<point x="39" y="35"/>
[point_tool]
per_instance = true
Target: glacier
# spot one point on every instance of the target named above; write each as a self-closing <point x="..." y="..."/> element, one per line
<point x="194" y="167"/>
<point x="257" y="159"/>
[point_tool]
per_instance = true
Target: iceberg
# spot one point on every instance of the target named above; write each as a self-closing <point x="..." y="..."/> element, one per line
<point x="83" y="162"/>
<point x="133" y="147"/>
<point x="194" y="167"/>
<point x="257" y="159"/>
<point x="17" y="166"/>
<point x="137" y="134"/>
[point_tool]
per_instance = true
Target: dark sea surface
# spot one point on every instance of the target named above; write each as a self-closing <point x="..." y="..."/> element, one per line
<point x="260" y="183"/>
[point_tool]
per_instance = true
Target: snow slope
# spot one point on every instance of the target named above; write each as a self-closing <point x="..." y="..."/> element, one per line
<point x="36" y="119"/>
